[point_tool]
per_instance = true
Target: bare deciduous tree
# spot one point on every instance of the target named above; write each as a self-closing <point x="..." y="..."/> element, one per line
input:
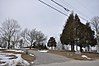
<point x="8" y="29"/>
<point x="24" y="37"/>
<point x="31" y="37"/>
<point x="40" y="40"/>
<point x="15" y="40"/>
<point x="95" y="25"/>
<point x="40" y="37"/>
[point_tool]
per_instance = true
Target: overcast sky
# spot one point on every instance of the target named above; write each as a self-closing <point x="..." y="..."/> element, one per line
<point x="33" y="14"/>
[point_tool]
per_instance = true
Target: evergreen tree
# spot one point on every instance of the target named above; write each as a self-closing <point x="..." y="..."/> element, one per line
<point x="85" y="35"/>
<point x="51" y="42"/>
<point x="67" y="34"/>
<point x="90" y="40"/>
<point x="75" y="32"/>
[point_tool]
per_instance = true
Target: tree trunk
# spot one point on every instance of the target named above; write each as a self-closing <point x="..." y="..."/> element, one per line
<point x="76" y="48"/>
<point x="88" y="48"/>
<point x="31" y="45"/>
<point x="13" y="45"/>
<point x="72" y="47"/>
<point x="97" y="44"/>
<point x="63" y="48"/>
<point x="81" y="48"/>
<point x="8" y="44"/>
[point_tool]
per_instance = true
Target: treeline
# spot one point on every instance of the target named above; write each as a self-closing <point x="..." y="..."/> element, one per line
<point x="11" y="36"/>
<point x="74" y="33"/>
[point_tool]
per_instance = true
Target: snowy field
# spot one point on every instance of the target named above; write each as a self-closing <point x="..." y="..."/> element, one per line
<point x="43" y="51"/>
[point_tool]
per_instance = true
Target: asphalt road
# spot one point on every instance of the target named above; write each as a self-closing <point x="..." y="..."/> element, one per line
<point x="74" y="63"/>
<point x="47" y="58"/>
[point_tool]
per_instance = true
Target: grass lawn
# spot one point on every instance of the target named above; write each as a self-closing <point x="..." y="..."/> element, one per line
<point x="73" y="55"/>
<point x="25" y="56"/>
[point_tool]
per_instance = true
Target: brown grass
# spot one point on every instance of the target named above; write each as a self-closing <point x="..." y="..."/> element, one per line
<point x="28" y="57"/>
<point x="72" y="55"/>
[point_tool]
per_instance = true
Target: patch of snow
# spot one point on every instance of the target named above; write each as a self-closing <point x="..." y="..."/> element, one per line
<point x="32" y="62"/>
<point x="2" y="48"/>
<point x="94" y="48"/>
<point x="15" y="50"/>
<point x="84" y="56"/>
<point x="31" y="55"/>
<point x="12" y="62"/>
<point x="44" y="51"/>
<point x="19" y="51"/>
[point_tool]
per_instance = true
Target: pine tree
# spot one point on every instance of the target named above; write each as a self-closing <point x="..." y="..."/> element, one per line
<point x="82" y="35"/>
<point x="51" y="42"/>
<point x="90" y="40"/>
<point x="75" y="32"/>
<point x="85" y="35"/>
<point x="67" y="34"/>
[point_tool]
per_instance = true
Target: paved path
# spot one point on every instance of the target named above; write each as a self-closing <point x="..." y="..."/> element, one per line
<point x="74" y="63"/>
<point x="47" y="58"/>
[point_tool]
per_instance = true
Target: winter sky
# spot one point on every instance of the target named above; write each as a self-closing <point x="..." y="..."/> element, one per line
<point x="33" y="14"/>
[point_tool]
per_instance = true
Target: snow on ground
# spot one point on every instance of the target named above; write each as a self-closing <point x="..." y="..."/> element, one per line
<point x="43" y="51"/>
<point x="31" y="55"/>
<point x="2" y="48"/>
<point x="4" y="57"/>
<point x="15" y="50"/>
<point x="84" y="56"/>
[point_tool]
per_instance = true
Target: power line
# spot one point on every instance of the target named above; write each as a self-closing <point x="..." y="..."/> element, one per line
<point x="73" y="10"/>
<point x="59" y="10"/>
<point x="53" y="7"/>
<point x="60" y="5"/>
